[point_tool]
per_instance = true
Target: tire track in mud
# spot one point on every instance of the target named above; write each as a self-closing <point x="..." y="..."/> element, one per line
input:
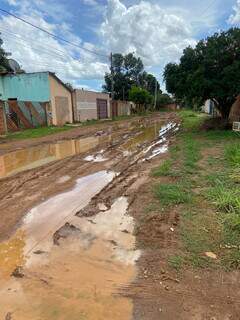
<point x="24" y="190"/>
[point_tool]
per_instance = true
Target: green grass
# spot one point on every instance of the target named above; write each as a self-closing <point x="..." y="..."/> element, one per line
<point x="191" y="120"/>
<point x="225" y="199"/>
<point x="172" y="194"/>
<point x="36" y="132"/>
<point x="176" y="262"/>
<point x="163" y="170"/>
<point x="191" y="153"/>
<point x="232" y="154"/>
<point x="210" y="214"/>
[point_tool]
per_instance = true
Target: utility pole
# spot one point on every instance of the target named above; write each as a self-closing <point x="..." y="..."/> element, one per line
<point x="155" y="96"/>
<point x="112" y="77"/>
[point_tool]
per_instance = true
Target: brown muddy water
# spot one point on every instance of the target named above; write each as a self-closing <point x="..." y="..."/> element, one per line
<point x="80" y="276"/>
<point x="30" y="158"/>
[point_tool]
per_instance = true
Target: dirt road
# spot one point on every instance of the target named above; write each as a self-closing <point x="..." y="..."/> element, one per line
<point x="79" y="236"/>
<point x="64" y="220"/>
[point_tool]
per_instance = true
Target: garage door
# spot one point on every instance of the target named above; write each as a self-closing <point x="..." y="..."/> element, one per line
<point x="102" y="111"/>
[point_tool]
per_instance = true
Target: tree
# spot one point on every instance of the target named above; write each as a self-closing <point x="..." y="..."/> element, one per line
<point x="163" y="99"/>
<point x="149" y="82"/>
<point x="140" y="97"/>
<point x="128" y="71"/>
<point x="209" y="71"/>
<point x="69" y="85"/>
<point x="4" y="66"/>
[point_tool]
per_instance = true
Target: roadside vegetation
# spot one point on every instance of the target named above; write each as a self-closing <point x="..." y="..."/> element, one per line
<point x="201" y="182"/>
<point x="35" y="133"/>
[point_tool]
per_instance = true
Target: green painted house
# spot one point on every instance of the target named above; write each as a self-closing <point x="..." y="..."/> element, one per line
<point x="38" y="87"/>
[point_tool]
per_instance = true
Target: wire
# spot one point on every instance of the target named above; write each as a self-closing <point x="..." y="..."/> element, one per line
<point x="52" y="34"/>
<point x="209" y="6"/>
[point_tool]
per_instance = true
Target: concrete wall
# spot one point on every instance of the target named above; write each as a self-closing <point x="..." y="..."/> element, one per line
<point x="85" y="104"/>
<point x="25" y="87"/>
<point x="61" y="102"/>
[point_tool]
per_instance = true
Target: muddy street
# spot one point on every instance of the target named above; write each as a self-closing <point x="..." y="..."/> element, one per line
<point x="68" y="245"/>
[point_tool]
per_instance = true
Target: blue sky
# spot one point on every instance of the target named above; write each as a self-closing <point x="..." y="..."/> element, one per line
<point x="156" y="30"/>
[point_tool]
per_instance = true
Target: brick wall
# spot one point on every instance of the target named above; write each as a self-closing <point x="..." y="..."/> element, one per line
<point x="2" y="122"/>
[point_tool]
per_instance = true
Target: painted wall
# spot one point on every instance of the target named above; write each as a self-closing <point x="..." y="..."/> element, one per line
<point x="85" y="104"/>
<point x="61" y="111"/>
<point x="25" y="87"/>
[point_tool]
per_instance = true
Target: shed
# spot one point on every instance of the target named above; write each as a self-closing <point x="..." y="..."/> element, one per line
<point x="89" y="105"/>
<point x="37" y="88"/>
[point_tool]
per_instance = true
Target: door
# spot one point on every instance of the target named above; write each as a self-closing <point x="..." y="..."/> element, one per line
<point x="102" y="110"/>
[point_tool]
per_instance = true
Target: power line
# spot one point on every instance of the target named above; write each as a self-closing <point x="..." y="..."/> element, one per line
<point x="52" y="34"/>
<point x="209" y="6"/>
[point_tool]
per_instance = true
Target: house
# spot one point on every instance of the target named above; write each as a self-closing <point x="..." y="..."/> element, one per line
<point x="89" y="105"/>
<point x="121" y="108"/>
<point x="30" y="98"/>
<point x="210" y="108"/>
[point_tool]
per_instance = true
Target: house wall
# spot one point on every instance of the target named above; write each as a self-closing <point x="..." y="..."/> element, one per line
<point x="61" y="103"/>
<point x="25" y="87"/>
<point x="123" y="107"/>
<point x="85" y="104"/>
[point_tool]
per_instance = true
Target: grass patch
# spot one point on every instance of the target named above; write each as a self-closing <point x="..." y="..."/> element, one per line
<point x="163" y="170"/>
<point x="176" y="262"/>
<point x="226" y="200"/>
<point x="232" y="154"/>
<point x="191" y="120"/>
<point x="191" y="153"/>
<point x="172" y="194"/>
<point x="37" y="132"/>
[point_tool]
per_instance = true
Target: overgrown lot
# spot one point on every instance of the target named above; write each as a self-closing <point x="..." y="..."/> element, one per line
<point x="201" y="181"/>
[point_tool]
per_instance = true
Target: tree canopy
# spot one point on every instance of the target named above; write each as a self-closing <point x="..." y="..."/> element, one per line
<point x="208" y="71"/>
<point x="141" y="97"/>
<point x="4" y="66"/>
<point x="128" y="71"/>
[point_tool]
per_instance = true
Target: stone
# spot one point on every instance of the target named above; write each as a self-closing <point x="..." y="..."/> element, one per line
<point x="211" y="255"/>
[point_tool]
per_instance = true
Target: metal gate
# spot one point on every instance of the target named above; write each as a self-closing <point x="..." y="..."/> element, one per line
<point x="102" y="110"/>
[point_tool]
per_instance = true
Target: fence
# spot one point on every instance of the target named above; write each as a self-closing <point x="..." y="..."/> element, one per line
<point x="16" y="115"/>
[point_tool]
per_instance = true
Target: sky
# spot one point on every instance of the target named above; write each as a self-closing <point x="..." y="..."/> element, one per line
<point x="155" y="30"/>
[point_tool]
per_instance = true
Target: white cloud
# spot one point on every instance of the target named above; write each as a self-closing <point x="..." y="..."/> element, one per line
<point x="37" y="51"/>
<point x="153" y="33"/>
<point x="235" y="18"/>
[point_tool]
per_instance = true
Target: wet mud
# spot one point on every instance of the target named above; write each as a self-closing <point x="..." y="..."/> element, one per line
<point x="77" y="249"/>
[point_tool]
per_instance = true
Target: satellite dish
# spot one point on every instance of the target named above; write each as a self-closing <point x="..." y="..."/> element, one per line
<point x="14" y="65"/>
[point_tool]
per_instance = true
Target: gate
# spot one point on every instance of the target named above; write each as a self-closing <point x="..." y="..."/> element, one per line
<point x="24" y="114"/>
<point x="102" y="109"/>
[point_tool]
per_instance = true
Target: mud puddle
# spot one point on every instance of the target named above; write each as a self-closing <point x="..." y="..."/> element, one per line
<point x="30" y="158"/>
<point x="78" y="277"/>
